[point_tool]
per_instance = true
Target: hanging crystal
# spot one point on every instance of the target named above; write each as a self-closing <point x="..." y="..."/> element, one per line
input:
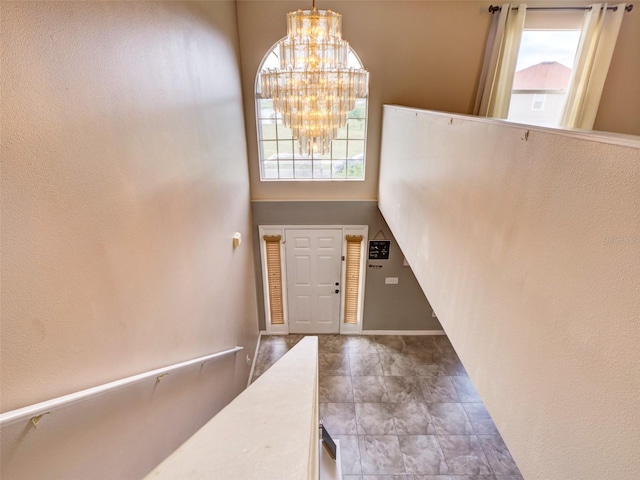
<point x="314" y="89"/>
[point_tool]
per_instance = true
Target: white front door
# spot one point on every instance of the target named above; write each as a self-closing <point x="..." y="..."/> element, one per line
<point x="314" y="261"/>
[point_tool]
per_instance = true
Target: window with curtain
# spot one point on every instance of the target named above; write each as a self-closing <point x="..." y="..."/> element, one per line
<point x="545" y="66"/>
<point x="541" y="79"/>
<point x="278" y="150"/>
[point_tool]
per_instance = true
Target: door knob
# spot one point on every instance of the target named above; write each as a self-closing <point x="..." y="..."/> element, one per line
<point x="337" y="283"/>
<point x="337" y="291"/>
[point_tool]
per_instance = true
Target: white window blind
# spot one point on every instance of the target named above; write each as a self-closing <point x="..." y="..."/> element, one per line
<point x="352" y="278"/>
<point x="274" y="278"/>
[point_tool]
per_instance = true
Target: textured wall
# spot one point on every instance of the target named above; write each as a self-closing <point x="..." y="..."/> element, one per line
<point x="386" y="307"/>
<point x="420" y="53"/>
<point x="529" y="251"/>
<point x="619" y="109"/>
<point x="124" y="177"/>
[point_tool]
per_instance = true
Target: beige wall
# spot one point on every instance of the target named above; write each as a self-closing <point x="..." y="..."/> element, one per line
<point x="529" y="252"/>
<point x="422" y="53"/>
<point x="620" y="103"/>
<point x="124" y="178"/>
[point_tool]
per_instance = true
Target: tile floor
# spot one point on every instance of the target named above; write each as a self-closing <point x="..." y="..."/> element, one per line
<point x="402" y="407"/>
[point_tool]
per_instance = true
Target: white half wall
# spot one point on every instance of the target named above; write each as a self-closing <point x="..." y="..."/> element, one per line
<point x="528" y="248"/>
<point x="270" y="431"/>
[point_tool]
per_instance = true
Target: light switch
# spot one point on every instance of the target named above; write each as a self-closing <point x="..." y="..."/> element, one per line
<point x="391" y="280"/>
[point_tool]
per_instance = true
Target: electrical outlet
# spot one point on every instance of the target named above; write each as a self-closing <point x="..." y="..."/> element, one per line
<point x="391" y="280"/>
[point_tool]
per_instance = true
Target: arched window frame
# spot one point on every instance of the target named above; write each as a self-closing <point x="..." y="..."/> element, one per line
<point x="278" y="152"/>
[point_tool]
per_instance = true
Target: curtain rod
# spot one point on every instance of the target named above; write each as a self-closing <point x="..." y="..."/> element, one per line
<point x="496" y="8"/>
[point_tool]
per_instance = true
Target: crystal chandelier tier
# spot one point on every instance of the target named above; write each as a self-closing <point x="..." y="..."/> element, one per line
<point x="314" y="89"/>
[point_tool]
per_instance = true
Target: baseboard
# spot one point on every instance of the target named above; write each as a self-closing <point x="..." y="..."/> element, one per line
<point x="403" y="332"/>
<point x="374" y="332"/>
<point x="255" y="356"/>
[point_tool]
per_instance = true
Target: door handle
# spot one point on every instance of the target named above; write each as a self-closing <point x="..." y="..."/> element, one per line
<point x="337" y="291"/>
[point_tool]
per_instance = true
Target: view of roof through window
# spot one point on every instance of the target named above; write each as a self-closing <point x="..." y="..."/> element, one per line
<point x="543" y="72"/>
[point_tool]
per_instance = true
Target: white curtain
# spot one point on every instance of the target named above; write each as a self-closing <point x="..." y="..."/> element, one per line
<point x="501" y="56"/>
<point x="595" y="49"/>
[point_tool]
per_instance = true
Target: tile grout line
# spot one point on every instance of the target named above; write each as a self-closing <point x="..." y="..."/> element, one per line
<point x="456" y="388"/>
<point x="353" y="397"/>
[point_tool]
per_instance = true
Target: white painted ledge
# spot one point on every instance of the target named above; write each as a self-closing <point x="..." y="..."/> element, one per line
<point x="269" y="432"/>
<point x="610" y="138"/>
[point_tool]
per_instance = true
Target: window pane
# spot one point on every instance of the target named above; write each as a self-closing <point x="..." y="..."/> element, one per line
<point x="356" y="127"/>
<point x="300" y="156"/>
<point x="355" y="168"/>
<point x="268" y="129"/>
<point x="539" y="46"/>
<point x="352" y="60"/>
<point x="360" y="110"/>
<point x="286" y="169"/>
<point x="322" y="169"/>
<point x="338" y="169"/>
<point x="339" y="149"/>
<point x="302" y="169"/>
<point x="270" y="169"/>
<point x="342" y="133"/>
<point x="543" y="72"/>
<point x="285" y="149"/>
<point x="269" y="149"/>
<point x="273" y="60"/>
<point x="356" y="149"/>
<point x="284" y="132"/>
<point x="266" y="109"/>
<point x="319" y="156"/>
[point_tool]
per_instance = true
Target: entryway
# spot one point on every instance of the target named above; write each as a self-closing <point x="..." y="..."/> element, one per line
<point x="313" y="278"/>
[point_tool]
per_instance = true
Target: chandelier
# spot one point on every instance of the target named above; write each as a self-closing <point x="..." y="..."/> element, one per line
<point x="314" y="89"/>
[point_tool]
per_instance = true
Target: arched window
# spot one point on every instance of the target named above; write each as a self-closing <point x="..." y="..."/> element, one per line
<point x="278" y="151"/>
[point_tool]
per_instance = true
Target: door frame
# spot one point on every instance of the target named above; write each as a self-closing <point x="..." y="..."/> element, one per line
<point x="283" y="329"/>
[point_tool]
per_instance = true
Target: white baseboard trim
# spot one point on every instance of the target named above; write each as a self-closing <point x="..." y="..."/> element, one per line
<point x="403" y="332"/>
<point x="255" y="356"/>
<point x="367" y="332"/>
